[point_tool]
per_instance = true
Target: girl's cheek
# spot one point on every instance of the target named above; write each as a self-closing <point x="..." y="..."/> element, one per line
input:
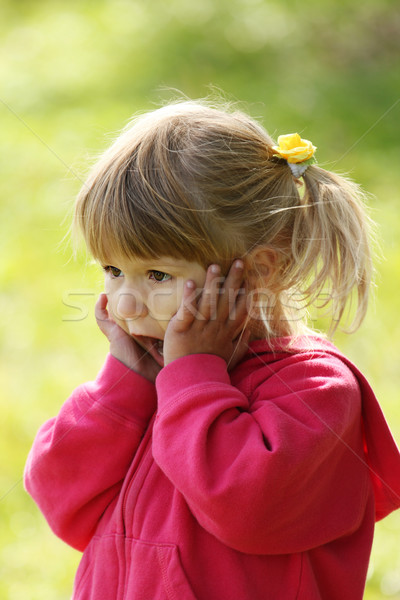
<point x="164" y="303"/>
<point x="111" y="290"/>
<point x="113" y="308"/>
<point x="108" y="288"/>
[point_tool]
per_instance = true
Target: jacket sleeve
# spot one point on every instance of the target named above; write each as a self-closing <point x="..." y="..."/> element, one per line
<point x="283" y="474"/>
<point x="79" y="459"/>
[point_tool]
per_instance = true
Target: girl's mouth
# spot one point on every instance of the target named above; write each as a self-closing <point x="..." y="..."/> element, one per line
<point x="160" y="347"/>
<point x="153" y="346"/>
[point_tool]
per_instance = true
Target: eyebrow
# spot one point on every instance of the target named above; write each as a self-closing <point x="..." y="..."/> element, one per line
<point x="149" y="263"/>
<point x="164" y="260"/>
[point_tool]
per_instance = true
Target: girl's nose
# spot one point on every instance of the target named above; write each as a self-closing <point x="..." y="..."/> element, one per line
<point x="130" y="305"/>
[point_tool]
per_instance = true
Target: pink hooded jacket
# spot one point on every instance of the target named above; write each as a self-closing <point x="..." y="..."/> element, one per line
<point x="259" y="484"/>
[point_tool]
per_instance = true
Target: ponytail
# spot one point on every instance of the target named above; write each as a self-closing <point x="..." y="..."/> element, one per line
<point x="330" y="245"/>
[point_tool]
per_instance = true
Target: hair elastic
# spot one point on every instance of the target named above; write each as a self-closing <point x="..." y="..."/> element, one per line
<point x="298" y="153"/>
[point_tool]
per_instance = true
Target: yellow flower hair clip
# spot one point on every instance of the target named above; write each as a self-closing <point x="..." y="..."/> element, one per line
<point x="298" y="153"/>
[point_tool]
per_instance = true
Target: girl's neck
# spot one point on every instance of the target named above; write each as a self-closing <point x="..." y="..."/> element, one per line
<point x="258" y="330"/>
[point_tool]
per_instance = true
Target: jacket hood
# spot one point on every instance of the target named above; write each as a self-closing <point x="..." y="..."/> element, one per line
<point x="381" y="453"/>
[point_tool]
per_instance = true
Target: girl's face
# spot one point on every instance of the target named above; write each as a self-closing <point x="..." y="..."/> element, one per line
<point x="144" y="294"/>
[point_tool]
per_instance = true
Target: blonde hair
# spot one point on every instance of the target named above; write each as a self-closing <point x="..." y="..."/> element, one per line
<point x="202" y="183"/>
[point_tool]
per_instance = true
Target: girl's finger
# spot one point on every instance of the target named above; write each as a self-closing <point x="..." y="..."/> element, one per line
<point x="231" y="290"/>
<point x="208" y="303"/>
<point x="239" y="309"/>
<point x="187" y="310"/>
<point x="100" y="309"/>
<point x="101" y="313"/>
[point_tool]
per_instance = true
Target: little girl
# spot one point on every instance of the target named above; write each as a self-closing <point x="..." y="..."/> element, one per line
<point x="224" y="451"/>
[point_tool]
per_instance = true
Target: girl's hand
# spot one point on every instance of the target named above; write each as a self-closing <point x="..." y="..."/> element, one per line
<point x="215" y="323"/>
<point x="123" y="346"/>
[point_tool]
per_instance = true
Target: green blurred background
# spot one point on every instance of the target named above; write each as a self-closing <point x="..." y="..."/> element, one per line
<point x="71" y="74"/>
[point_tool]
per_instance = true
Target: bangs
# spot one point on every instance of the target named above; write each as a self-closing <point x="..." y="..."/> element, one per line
<point x="127" y="216"/>
<point x="145" y="199"/>
<point x="119" y="228"/>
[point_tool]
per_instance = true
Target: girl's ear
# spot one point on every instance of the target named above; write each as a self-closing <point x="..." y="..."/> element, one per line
<point x="261" y="262"/>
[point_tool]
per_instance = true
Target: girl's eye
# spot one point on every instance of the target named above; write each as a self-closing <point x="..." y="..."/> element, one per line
<point x="115" y="272"/>
<point x="159" y="276"/>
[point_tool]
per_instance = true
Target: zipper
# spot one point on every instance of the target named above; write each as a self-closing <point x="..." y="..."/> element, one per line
<point x="137" y="470"/>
